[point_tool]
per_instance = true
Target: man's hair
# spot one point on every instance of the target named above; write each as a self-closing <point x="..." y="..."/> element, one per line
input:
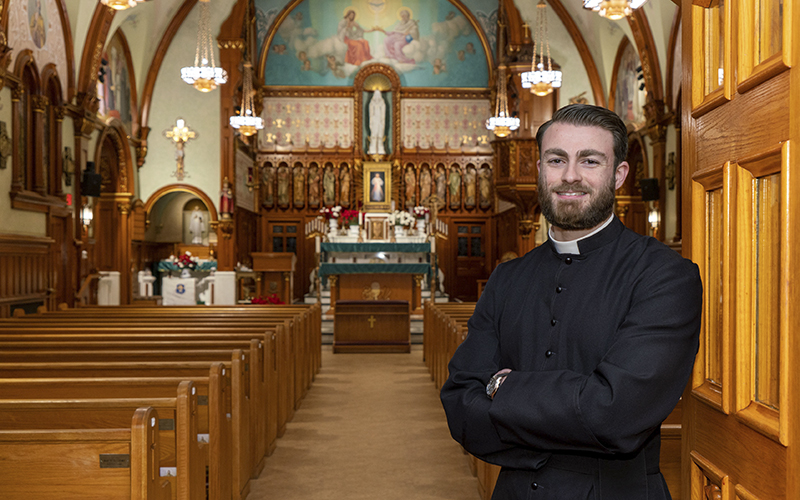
<point x="587" y="115"/>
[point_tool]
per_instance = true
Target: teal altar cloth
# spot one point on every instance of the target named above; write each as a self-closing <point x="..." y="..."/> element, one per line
<point x="164" y="266"/>
<point x="376" y="247"/>
<point x="327" y="269"/>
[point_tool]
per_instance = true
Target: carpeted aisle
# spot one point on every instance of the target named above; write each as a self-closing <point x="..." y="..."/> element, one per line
<point x="371" y="427"/>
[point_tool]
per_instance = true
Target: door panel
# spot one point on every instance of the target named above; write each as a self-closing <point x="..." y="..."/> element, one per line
<point x="739" y="129"/>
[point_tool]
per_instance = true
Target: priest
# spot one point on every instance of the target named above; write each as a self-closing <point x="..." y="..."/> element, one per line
<point x="579" y="350"/>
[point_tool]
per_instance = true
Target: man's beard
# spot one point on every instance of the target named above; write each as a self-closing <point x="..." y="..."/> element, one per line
<point x="568" y="214"/>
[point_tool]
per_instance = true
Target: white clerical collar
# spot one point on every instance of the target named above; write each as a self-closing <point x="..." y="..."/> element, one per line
<point x="571" y="246"/>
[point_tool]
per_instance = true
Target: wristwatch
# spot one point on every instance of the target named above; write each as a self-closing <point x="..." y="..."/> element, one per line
<point x="494" y="384"/>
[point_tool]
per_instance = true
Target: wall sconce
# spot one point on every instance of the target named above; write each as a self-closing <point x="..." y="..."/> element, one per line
<point x="87" y="216"/>
<point x="654" y="218"/>
<point x="68" y="166"/>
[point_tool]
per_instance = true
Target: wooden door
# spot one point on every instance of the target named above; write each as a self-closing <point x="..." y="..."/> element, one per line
<point x="741" y="127"/>
<point x="470" y="257"/>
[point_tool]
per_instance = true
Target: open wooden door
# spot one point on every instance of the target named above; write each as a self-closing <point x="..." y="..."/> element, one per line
<point x="741" y="140"/>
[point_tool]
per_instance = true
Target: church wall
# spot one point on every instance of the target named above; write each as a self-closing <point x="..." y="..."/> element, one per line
<point x="173" y="99"/>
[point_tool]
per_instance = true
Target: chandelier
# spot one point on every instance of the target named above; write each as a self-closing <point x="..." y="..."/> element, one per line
<point x="502" y="123"/>
<point x="120" y="4"/>
<point x="204" y="75"/>
<point x="246" y="121"/>
<point x="541" y="79"/>
<point x="613" y="9"/>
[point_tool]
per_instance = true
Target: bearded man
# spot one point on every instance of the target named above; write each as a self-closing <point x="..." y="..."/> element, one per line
<point x="579" y="350"/>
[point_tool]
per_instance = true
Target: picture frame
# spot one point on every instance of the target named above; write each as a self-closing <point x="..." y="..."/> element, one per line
<point x="377" y="186"/>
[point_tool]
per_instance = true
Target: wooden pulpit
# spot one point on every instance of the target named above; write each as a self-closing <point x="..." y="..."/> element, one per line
<point x="372" y="326"/>
<point x="275" y="273"/>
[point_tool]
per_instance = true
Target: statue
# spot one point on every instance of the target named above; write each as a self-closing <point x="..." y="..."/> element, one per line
<point x="411" y="184"/>
<point x="424" y="184"/>
<point x="470" y="187"/>
<point x="197" y="226"/>
<point x="283" y="186"/>
<point x="485" y="187"/>
<point x="299" y="187"/>
<point x="313" y="186"/>
<point x="344" y="187"/>
<point x="329" y="187"/>
<point x="441" y="183"/>
<point x="226" y="200"/>
<point x="377" y="124"/>
<point x="268" y="178"/>
<point x="455" y="188"/>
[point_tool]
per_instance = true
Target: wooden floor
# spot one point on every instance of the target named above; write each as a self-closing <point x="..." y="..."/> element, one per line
<point x="371" y="427"/>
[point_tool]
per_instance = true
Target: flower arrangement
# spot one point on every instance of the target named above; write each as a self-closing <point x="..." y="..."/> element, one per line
<point x="350" y="217"/>
<point x="186" y="261"/>
<point x="331" y="212"/>
<point x="420" y="212"/>
<point x="401" y="218"/>
<point x="269" y="299"/>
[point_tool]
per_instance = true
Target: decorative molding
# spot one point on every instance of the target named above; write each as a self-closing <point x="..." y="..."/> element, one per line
<point x="646" y="47"/>
<point x="236" y="43"/>
<point x="186" y="188"/>
<point x="444" y="93"/>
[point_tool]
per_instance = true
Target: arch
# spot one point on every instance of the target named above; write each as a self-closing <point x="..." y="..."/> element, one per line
<point x="646" y="47"/>
<point x="24" y="60"/>
<point x="358" y="85"/>
<point x="186" y="188"/>
<point x="612" y="97"/>
<point x="90" y="58"/>
<point x="52" y="142"/>
<point x="115" y="132"/>
<point x="672" y="104"/>
<point x="126" y="53"/>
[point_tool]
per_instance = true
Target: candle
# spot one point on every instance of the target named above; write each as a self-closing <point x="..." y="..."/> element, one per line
<point x="392" y="205"/>
<point x="317" y="244"/>
<point x="360" y="218"/>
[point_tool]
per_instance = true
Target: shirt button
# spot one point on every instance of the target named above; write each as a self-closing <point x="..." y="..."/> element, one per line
<point x="553" y="322"/>
<point x="568" y="260"/>
<point x="549" y="353"/>
<point x="559" y="289"/>
<point x="534" y="486"/>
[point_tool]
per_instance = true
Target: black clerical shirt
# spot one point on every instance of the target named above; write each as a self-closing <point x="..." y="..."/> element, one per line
<point x="601" y="345"/>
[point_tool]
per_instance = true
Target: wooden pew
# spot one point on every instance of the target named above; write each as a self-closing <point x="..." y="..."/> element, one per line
<point x="228" y="449"/>
<point x="34" y="465"/>
<point x="177" y="428"/>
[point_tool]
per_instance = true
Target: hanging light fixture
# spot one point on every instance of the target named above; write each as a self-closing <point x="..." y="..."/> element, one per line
<point x="204" y="75"/>
<point x="541" y="79"/>
<point x="246" y="121"/>
<point x="613" y="9"/>
<point x="120" y="4"/>
<point x="502" y="123"/>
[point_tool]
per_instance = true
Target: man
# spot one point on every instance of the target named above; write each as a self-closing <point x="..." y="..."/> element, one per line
<point x="577" y="351"/>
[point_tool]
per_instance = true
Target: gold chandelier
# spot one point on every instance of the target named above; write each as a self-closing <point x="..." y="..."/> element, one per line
<point x="613" y="9"/>
<point x="120" y="4"/>
<point x="204" y="75"/>
<point x="541" y="79"/>
<point x="502" y="124"/>
<point x="246" y="121"/>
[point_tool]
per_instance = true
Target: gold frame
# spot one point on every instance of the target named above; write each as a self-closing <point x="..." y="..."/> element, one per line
<point x="370" y="169"/>
<point x="377" y="227"/>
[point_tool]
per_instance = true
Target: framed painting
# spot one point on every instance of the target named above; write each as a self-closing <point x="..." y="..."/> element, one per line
<point x="377" y="186"/>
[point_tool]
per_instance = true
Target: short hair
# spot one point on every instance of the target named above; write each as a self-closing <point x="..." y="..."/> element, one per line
<point x="587" y="115"/>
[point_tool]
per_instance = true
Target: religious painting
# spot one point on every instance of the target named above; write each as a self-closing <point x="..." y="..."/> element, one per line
<point x="630" y="95"/>
<point x="37" y="21"/>
<point x="377" y="186"/>
<point x="410" y="185"/>
<point x="283" y="185"/>
<point x="268" y="185"/>
<point x="299" y="185"/>
<point x="313" y="185"/>
<point x="428" y="44"/>
<point x="329" y="186"/>
<point x="344" y="185"/>
<point x="245" y="197"/>
<point x="114" y="88"/>
<point x="470" y="187"/>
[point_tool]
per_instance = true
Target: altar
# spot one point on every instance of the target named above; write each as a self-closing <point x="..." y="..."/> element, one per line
<point x="376" y="271"/>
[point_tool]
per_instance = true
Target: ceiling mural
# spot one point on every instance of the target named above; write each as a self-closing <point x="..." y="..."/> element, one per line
<point x="428" y="43"/>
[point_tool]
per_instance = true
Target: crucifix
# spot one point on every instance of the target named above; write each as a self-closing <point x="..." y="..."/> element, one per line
<point x="180" y="134"/>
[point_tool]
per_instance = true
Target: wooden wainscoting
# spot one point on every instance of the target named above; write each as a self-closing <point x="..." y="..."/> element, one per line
<point x="25" y="277"/>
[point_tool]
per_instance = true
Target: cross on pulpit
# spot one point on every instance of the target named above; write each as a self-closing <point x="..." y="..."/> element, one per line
<point x="180" y="134"/>
<point x="371" y="320"/>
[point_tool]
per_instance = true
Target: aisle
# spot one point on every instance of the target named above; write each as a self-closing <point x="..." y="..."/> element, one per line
<point x="370" y="428"/>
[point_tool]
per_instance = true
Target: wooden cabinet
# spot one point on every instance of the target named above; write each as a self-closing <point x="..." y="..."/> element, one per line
<point x="372" y="326"/>
<point x="275" y="274"/>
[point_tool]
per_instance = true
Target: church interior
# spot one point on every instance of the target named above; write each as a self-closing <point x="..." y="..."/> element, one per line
<point x="248" y="184"/>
